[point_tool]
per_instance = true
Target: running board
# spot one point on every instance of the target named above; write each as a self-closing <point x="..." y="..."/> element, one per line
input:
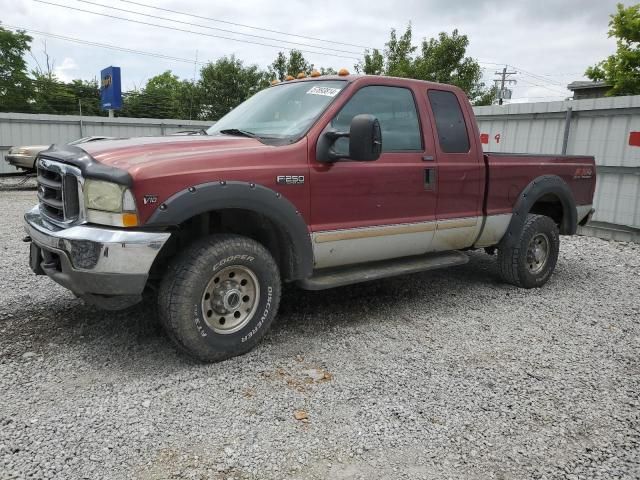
<point x="338" y="277"/>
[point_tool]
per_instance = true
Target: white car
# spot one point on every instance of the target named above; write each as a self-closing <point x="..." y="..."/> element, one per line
<point x="25" y="157"/>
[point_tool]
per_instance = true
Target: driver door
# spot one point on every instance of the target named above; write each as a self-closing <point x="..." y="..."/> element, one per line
<point x="369" y="211"/>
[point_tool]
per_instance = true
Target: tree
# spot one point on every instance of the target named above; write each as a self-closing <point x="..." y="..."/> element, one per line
<point x="163" y="96"/>
<point x="87" y="92"/>
<point x="292" y="65"/>
<point x="51" y="95"/>
<point x="440" y="59"/>
<point x="328" y="71"/>
<point x="15" y="84"/>
<point x="373" y="63"/>
<point x="227" y="83"/>
<point x="487" y="97"/>
<point x="622" y="70"/>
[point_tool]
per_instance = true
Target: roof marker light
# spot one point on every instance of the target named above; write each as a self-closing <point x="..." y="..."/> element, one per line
<point x="315" y="73"/>
<point x="343" y="72"/>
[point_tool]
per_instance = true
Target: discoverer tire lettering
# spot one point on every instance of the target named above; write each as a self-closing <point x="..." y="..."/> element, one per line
<point x="184" y="289"/>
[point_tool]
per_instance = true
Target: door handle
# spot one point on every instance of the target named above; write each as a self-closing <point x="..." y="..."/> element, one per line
<point x="430" y="178"/>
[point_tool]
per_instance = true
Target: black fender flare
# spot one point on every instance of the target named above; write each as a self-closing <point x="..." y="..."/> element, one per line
<point x="213" y="196"/>
<point x="543" y="185"/>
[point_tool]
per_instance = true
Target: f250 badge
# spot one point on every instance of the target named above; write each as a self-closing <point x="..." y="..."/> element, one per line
<point x="290" y="179"/>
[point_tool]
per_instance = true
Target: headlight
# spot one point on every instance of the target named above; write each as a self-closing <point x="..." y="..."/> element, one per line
<point x="108" y="203"/>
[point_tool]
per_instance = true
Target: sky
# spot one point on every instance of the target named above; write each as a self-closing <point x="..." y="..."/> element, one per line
<point x="548" y="42"/>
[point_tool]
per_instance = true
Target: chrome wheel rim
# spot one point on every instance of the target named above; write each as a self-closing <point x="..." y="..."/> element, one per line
<point x="230" y="299"/>
<point x="538" y="253"/>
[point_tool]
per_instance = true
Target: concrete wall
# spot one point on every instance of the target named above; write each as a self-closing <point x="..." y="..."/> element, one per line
<point x="602" y="127"/>
<point x="28" y="129"/>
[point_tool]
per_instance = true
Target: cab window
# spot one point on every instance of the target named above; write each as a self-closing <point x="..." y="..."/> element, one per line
<point x="395" y="109"/>
<point x="452" y="131"/>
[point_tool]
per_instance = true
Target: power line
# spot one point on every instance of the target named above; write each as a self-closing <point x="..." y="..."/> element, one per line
<point x="212" y="28"/>
<point x="525" y="72"/>
<point x="536" y="76"/>
<point x="104" y="45"/>
<point x="245" y="26"/>
<point x="193" y="32"/>
<point x="551" y="89"/>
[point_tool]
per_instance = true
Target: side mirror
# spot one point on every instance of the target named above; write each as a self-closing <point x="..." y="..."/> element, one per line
<point x="365" y="141"/>
<point x="365" y="138"/>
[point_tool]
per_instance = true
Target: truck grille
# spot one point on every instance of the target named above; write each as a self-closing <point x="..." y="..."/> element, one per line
<point x="58" y="191"/>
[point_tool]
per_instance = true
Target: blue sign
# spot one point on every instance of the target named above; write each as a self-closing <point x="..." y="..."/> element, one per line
<point x="110" y="89"/>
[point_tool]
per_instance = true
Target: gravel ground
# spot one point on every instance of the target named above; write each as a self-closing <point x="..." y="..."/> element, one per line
<point x="448" y="374"/>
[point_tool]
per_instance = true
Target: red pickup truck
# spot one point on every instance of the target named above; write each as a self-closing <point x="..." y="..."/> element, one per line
<point x="322" y="181"/>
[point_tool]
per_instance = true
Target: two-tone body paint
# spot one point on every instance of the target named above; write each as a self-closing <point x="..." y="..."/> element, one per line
<point x="357" y="211"/>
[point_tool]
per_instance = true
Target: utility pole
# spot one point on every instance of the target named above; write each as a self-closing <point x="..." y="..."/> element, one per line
<point x="81" y="125"/>
<point x="502" y="80"/>
<point x="193" y="84"/>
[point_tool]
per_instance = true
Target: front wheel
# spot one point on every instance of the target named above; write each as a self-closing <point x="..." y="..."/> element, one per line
<point x="530" y="262"/>
<point x="219" y="297"/>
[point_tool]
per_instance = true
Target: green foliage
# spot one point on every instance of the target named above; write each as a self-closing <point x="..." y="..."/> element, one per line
<point x="227" y="83"/>
<point x="622" y="70"/>
<point x="292" y="65"/>
<point x="440" y="59"/>
<point x="51" y="95"/>
<point x="222" y="86"/>
<point x="15" y="84"/>
<point x="487" y="97"/>
<point x="373" y="63"/>
<point x="163" y="96"/>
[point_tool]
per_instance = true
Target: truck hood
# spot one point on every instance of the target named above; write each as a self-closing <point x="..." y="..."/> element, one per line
<point x="134" y="154"/>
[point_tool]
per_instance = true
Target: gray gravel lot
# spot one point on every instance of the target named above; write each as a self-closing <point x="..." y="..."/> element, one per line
<point x="447" y="374"/>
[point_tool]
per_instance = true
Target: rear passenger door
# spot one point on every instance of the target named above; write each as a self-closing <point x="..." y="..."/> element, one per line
<point x="461" y="173"/>
<point x="367" y="211"/>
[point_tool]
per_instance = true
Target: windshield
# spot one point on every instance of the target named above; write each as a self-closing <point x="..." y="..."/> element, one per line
<point x="281" y="112"/>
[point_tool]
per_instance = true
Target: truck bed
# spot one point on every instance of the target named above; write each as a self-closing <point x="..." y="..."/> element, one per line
<point x="509" y="173"/>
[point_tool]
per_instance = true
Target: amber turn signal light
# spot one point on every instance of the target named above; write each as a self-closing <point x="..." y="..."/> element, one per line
<point x="129" y="220"/>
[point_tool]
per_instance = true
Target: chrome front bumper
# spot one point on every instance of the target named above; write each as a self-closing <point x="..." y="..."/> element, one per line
<point x="94" y="262"/>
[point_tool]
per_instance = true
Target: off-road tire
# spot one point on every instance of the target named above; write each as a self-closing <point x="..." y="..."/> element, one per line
<point x="513" y="263"/>
<point x="186" y="282"/>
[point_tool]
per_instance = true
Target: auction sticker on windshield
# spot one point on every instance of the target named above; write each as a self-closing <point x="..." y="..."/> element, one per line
<point x="326" y="91"/>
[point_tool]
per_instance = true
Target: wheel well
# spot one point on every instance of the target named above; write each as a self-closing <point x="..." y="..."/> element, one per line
<point x="238" y="221"/>
<point x="551" y="206"/>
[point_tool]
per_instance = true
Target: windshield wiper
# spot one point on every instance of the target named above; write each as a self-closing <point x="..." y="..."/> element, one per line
<point x="239" y="133"/>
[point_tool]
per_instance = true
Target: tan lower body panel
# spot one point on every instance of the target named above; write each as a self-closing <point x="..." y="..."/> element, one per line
<point x="360" y="245"/>
<point x="494" y="229"/>
<point x="583" y="211"/>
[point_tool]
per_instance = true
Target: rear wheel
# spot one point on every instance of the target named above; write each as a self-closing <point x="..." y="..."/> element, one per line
<point x="219" y="297"/>
<point x="531" y="261"/>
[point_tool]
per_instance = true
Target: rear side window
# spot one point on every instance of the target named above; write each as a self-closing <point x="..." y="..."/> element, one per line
<point x="452" y="132"/>
<point x="393" y="107"/>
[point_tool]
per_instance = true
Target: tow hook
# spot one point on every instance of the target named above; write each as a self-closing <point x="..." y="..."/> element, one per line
<point x="27" y="239"/>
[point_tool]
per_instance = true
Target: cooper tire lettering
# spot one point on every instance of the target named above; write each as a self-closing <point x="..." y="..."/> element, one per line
<point x="188" y="279"/>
